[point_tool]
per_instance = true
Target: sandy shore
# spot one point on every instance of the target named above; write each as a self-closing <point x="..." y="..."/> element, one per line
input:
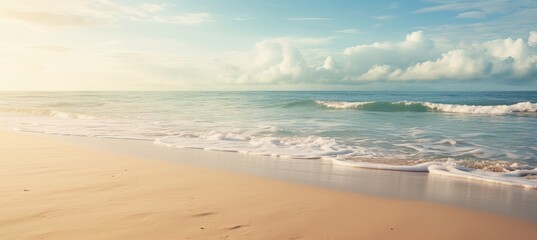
<point x="55" y="190"/>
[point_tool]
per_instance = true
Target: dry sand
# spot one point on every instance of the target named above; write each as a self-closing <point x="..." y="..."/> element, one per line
<point x="51" y="189"/>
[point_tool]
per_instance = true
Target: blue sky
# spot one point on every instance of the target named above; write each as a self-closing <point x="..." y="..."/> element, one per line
<point x="268" y="45"/>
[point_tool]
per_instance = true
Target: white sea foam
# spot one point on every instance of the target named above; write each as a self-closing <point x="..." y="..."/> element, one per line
<point x="292" y="147"/>
<point x="341" y="105"/>
<point x="49" y="112"/>
<point x="422" y="167"/>
<point x="449" y="141"/>
<point x="514" y="178"/>
<point x="451" y="169"/>
<point x="440" y="107"/>
<point x="494" y="109"/>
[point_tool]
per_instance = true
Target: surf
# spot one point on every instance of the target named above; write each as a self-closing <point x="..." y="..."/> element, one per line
<point x="411" y="106"/>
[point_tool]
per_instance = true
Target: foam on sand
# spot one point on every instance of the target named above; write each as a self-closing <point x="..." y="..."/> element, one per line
<point x="514" y="178"/>
<point x="448" y="168"/>
<point x="421" y="167"/>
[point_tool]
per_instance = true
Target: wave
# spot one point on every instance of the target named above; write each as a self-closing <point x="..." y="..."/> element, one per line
<point x="49" y="112"/>
<point x="494" y="109"/>
<point x="315" y="147"/>
<point x="408" y="106"/>
<point x="301" y="103"/>
<point x="342" y="105"/>
<point x="519" y="177"/>
<point x="300" y="147"/>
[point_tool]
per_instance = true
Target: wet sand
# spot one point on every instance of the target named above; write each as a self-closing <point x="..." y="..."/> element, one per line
<point x="416" y="186"/>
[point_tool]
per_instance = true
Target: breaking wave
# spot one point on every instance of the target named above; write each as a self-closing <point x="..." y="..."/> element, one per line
<point x="408" y="106"/>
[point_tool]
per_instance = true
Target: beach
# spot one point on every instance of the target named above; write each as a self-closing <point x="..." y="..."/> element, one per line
<point x="269" y="120"/>
<point x="53" y="189"/>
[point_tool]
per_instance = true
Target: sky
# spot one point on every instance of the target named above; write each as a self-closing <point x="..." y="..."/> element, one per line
<point x="268" y="45"/>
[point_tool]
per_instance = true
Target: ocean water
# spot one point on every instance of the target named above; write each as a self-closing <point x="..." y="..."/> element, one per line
<point x="488" y="136"/>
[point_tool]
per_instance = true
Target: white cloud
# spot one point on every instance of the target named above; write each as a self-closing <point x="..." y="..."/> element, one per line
<point x="348" y="30"/>
<point x="506" y="59"/>
<point x="532" y="39"/>
<point x="456" y="64"/>
<point x="377" y="72"/>
<point x="415" y="47"/>
<point x="497" y="19"/>
<point x="282" y="60"/>
<point x="276" y="60"/>
<point x="471" y="14"/>
<point x="507" y="13"/>
<point x="329" y="63"/>
<point x="485" y="6"/>
<point x="393" y="5"/>
<point x="412" y="41"/>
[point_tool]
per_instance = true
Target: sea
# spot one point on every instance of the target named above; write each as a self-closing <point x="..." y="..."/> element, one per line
<point x="485" y="136"/>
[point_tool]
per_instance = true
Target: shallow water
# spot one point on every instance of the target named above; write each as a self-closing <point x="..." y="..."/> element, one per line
<point x="494" y="131"/>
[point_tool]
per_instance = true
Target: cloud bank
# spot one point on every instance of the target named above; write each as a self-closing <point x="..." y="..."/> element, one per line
<point x="506" y="59"/>
<point x="416" y="58"/>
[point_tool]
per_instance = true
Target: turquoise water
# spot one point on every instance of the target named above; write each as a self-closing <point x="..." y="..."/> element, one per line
<point x="494" y="131"/>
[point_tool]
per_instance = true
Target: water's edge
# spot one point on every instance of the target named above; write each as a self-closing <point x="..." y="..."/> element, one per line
<point x="416" y="186"/>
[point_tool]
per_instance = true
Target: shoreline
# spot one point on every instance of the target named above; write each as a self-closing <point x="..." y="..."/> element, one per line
<point x="61" y="190"/>
<point x="415" y="186"/>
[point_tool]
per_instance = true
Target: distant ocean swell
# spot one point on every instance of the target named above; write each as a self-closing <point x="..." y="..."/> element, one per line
<point x="408" y="106"/>
<point x="400" y="106"/>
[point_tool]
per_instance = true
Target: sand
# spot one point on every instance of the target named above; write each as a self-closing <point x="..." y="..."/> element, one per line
<point x="51" y="189"/>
